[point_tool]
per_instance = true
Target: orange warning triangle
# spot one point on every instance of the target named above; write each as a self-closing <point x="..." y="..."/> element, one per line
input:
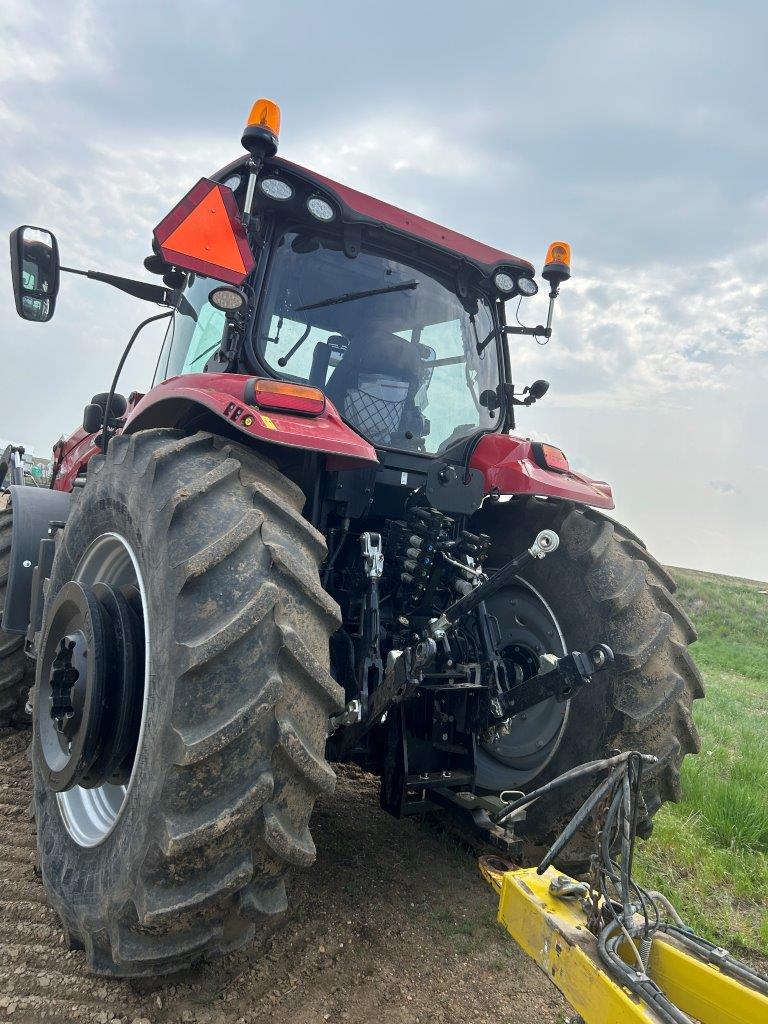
<point x="203" y="233"/>
<point x="207" y="234"/>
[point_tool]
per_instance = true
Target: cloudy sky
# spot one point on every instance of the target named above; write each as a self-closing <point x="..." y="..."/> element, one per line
<point x="635" y="131"/>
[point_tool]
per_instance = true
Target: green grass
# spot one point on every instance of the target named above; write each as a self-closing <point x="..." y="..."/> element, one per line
<point x="709" y="853"/>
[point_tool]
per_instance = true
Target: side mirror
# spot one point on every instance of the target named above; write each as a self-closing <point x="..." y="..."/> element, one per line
<point x="535" y="391"/>
<point x="35" y="272"/>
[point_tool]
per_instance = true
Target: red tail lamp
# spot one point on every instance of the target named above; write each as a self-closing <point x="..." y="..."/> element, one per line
<point x="549" y="457"/>
<point x="280" y="394"/>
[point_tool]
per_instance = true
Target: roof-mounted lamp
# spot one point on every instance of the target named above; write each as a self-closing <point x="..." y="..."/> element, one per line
<point x="557" y="265"/>
<point x="260" y="137"/>
<point x="262" y="130"/>
<point x="557" y="268"/>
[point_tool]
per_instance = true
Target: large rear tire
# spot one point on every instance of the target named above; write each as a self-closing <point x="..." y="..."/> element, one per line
<point x="15" y="675"/>
<point x="195" y="854"/>
<point x="602" y="586"/>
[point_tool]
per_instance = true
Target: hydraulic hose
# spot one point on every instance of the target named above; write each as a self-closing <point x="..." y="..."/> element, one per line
<point x="578" y="819"/>
<point x="590" y="768"/>
<point x="123" y="357"/>
<point x="614" y="885"/>
<point x="640" y="984"/>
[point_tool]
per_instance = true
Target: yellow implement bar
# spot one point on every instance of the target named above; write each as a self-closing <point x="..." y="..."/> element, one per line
<point x="701" y="989"/>
<point x="554" y="933"/>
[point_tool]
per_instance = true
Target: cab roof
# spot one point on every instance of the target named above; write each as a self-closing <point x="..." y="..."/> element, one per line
<point x="359" y="208"/>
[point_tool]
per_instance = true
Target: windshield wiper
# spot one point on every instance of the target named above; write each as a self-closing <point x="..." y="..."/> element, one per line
<point x="349" y="296"/>
<point x="204" y="354"/>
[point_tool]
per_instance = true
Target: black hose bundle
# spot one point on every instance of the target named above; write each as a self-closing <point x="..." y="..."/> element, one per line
<point x="625" y="915"/>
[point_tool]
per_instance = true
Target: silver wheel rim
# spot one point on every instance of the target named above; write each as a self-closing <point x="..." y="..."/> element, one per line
<point x="90" y="815"/>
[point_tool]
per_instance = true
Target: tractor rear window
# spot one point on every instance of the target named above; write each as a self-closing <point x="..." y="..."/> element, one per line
<point x="394" y="348"/>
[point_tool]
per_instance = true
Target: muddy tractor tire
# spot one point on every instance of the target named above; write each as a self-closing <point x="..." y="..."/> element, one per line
<point x="186" y="847"/>
<point x="16" y="676"/>
<point x="600" y="586"/>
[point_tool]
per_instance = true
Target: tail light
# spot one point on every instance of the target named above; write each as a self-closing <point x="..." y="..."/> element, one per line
<point x="549" y="457"/>
<point x="267" y="393"/>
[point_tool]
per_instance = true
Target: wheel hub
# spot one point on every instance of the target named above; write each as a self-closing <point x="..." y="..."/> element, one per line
<point x="521" y="662"/>
<point x="91" y="684"/>
<point x="527" y="629"/>
<point x="64" y="675"/>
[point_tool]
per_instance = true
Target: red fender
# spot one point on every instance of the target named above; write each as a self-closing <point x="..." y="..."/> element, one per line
<point x="509" y="467"/>
<point x="222" y="394"/>
<point x="69" y="457"/>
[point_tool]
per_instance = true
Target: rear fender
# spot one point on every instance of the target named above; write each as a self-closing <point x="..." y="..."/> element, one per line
<point x="179" y="401"/>
<point x="71" y="457"/>
<point x="509" y="467"/>
<point x="34" y="509"/>
<point x="174" y="400"/>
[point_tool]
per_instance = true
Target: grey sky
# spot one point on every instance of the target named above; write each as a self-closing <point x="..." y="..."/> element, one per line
<point x="635" y="131"/>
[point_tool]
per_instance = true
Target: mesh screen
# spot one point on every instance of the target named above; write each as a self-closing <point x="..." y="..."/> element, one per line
<point x="376" y="418"/>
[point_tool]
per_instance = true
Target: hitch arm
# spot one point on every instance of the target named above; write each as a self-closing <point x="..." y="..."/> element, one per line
<point x="546" y="542"/>
<point x="561" y="678"/>
<point x="401" y="677"/>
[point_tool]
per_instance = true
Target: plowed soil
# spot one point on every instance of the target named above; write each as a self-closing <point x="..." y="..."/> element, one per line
<point x="393" y="925"/>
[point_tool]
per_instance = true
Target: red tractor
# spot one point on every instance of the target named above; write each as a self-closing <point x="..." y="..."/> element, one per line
<point x="316" y="538"/>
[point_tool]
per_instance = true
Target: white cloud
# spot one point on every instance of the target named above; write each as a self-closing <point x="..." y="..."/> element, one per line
<point x="104" y="211"/>
<point x="659" y="331"/>
<point x="11" y="119"/>
<point x="722" y="487"/>
<point x="41" y="46"/>
<point x="396" y="154"/>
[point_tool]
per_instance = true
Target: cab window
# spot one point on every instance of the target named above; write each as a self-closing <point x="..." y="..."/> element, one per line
<point x="194" y="334"/>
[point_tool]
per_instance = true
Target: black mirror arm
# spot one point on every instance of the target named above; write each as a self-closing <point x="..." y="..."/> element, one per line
<point x="535" y="332"/>
<point x="538" y="332"/>
<point x="139" y="289"/>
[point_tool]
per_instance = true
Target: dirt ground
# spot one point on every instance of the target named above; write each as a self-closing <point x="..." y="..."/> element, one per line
<point x="393" y="925"/>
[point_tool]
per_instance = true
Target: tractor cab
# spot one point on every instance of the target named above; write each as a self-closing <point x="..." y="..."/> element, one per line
<point x="386" y="336"/>
<point x="399" y="321"/>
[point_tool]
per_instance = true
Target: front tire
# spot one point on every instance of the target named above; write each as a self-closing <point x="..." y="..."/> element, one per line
<point x="236" y="701"/>
<point x="603" y="586"/>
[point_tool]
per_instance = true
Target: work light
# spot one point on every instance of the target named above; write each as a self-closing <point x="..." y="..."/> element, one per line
<point x="320" y="208"/>
<point x="504" y="282"/>
<point x="228" y="300"/>
<point x="276" y="188"/>
<point x="527" y="286"/>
